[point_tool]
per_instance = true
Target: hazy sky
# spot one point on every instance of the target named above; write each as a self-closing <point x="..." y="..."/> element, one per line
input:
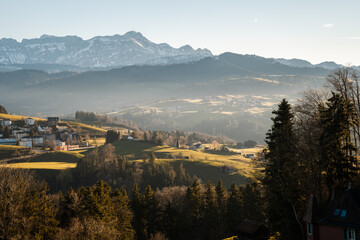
<point x="313" y="30"/>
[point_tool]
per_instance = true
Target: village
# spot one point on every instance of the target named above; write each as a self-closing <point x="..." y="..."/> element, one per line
<point x="47" y="135"/>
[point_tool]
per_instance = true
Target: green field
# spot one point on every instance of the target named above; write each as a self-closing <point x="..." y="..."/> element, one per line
<point x="8" y="151"/>
<point x="42" y="165"/>
<point x="18" y="117"/>
<point x="85" y="127"/>
<point x="207" y="166"/>
<point x="58" y="160"/>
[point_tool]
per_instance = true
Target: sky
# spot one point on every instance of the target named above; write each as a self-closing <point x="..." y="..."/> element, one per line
<point x="313" y="30"/>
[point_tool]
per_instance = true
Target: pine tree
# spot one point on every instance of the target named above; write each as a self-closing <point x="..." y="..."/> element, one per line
<point x="234" y="208"/>
<point x="253" y="202"/>
<point x="338" y="153"/>
<point x="211" y="214"/>
<point x="139" y="213"/>
<point x="282" y="175"/>
<point x="70" y="204"/>
<point x="124" y="215"/>
<point x="151" y="211"/>
<point x="193" y="215"/>
<point x="221" y="201"/>
<point x="40" y="212"/>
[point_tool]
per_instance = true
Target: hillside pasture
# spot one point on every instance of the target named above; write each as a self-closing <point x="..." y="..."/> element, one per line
<point x="9" y="151"/>
<point x="58" y="160"/>
<point x="141" y="150"/>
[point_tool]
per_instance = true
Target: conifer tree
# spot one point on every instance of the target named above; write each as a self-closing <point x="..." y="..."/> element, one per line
<point x="221" y="201"/>
<point x="234" y="208"/>
<point x="338" y="153"/>
<point x="124" y="215"/>
<point x="211" y="213"/>
<point x="282" y="175"/>
<point x="139" y="214"/>
<point x="151" y="211"/>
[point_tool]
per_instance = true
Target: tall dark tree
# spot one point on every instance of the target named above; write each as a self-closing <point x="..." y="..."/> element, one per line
<point x="139" y="214"/>
<point x="221" y="201"/>
<point x="124" y="215"/>
<point x="282" y="174"/>
<point x="234" y="208"/>
<point x="211" y="213"/>
<point x="151" y="211"/>
<point x="112" y="136"/>
<point x="338" y="153"/>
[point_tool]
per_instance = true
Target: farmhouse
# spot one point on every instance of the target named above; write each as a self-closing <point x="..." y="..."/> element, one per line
<point x="29" y="121"/>
<point x="5" y="122"/>
<point x="340" y="219"/>
<point x="53" y="120"/>
<point x="20" y="134"/>
<point x="36" y="140"/>
<point x="26" y="144"/>
<point x="196" y="146"/>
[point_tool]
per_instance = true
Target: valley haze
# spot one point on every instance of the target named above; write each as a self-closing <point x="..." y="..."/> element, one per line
<point x="130" y="77"/>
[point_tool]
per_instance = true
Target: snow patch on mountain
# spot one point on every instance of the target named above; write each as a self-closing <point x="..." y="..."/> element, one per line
<point x="132" y="48"/>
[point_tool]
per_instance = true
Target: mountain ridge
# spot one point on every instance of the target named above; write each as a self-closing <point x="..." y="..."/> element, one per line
<point x="131" y="48"/>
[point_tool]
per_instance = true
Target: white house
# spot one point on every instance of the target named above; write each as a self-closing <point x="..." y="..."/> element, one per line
<point x="29" y="121"/>
<point x="5" y="122"/>
<point x="20" y="134"/>
<point x="36" y="140"/>
<point x="26" y="144"/>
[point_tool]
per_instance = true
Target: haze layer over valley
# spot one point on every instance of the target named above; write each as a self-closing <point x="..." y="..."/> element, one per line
<point x="163" y="89"/>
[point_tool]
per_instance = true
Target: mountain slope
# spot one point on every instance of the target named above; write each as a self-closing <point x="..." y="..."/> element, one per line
<point x="131" y="48"/>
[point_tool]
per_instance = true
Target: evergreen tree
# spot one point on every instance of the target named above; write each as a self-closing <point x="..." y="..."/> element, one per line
<point x="234" y="208"/>
<point x="124" y="215"/>
<point x="338" y="153"/>
<point x="7" y="132"/>
<point x="282" y="176"/>
<point x="139" y="214"/>
<point x="253" y="202"/>
<point x="70" y="207"/>
<point x="151" y="211"/>
<point x="211" y="214"/>
<point x="40" y="212"/>
<point x="221" y="201"/>
<point x="193" y="214"/>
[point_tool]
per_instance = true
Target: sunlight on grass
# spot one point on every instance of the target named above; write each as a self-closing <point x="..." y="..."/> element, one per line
<point x="41" y="165"/>
<point x="18" y="117"/>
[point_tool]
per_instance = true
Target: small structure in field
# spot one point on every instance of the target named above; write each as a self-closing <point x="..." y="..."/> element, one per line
<point x="29" y="121"/>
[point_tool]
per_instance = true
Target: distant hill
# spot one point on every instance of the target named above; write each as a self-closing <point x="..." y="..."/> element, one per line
<point x="227" y="73"/>
<point x="73" y="53"/>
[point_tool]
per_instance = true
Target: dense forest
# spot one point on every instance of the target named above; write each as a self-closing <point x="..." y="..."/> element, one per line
<point x="312" y="148"/>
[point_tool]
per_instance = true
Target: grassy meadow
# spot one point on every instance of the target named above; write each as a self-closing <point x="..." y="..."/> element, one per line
<point x="205" y="165"/>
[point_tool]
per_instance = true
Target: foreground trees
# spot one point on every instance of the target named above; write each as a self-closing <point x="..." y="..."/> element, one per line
<point x="26" y="212"/>
<point x="282" y="174"/>
<point x="310" y="152"/>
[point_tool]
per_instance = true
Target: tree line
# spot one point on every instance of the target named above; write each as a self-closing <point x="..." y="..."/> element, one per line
<point x="99" y="211"/>
<point x="312" y="149"/>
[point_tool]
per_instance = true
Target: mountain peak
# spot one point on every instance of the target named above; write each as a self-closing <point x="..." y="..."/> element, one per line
<point x="132" y="48"/>
<point x="44" y="36"/>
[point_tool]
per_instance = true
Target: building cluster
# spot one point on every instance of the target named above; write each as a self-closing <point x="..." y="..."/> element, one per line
<point x="29" y="133"/>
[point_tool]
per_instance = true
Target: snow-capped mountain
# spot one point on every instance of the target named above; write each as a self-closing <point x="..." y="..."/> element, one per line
<point x="132" y="48"/>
